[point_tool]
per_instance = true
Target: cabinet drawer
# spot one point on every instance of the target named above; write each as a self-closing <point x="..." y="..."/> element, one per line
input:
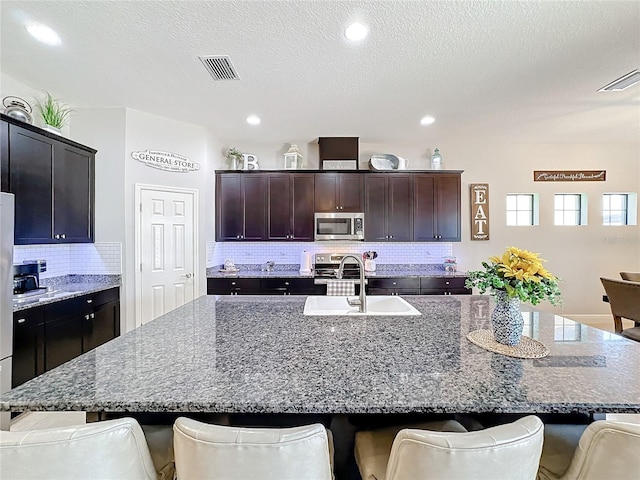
<point x="393" y="291"/>
<point x="296" y="286"/>
<point x="396" y="283"/>
<point x="233" y="286"/>
<point x="444" y="283"/>
<point x="101" y="297"/>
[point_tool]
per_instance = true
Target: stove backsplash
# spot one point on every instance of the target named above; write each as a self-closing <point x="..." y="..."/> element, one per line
<point x="257" y="253"/>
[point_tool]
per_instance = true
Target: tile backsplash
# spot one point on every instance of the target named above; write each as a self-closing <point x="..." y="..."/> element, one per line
<point x="289" y="252"/>
<point x="74" y="258"/>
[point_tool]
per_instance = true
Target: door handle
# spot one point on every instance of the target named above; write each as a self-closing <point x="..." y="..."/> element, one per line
<point x="188" y="275"/>
<point x="22" y="320"/>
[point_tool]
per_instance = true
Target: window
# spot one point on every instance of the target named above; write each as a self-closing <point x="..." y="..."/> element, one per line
<point x="570" y="209"/>
<point x="619" y="209"/>
<point x="522" y="209"/>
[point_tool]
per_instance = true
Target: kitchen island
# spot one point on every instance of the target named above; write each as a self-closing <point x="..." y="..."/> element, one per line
<point x="260" y="354"/>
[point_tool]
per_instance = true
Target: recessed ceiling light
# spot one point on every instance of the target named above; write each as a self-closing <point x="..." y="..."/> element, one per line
<point x="623" y="82"/>
<point x="253" y="120"/>
<point x="43" y="34"/>
<point x="428" y="120"/>
<point x="356" y="31"/>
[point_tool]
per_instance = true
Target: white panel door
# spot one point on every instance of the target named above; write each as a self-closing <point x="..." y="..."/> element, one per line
<point x="166" y="252"/>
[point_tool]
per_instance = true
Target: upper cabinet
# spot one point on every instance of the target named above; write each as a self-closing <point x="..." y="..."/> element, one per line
<point x="240" y="207"/>
<point x="388" y="207"/>
<point x="290" y="206"/>
<point x="436" y="207"/>
<point x="339" y="192"/>
<point x="53" y="183"/>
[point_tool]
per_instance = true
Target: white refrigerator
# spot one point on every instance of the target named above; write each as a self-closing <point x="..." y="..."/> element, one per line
<point x="6" y="293"/>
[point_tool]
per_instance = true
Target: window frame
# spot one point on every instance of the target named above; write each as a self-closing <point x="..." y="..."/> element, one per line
<point x="581" y="214"/>
<point x="535" y="209"/>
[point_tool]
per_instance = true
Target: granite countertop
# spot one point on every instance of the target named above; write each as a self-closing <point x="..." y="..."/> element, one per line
<point x="261" y="354"/>
<point x="68" y="287"/>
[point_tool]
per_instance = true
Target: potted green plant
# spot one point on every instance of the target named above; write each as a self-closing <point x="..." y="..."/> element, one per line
<point x="518" y="275"/>
<point x="235" y="158"/>
<point x="54" y="114"/>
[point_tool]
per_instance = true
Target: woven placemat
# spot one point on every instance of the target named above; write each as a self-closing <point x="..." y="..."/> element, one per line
<point x="527" y="348"/>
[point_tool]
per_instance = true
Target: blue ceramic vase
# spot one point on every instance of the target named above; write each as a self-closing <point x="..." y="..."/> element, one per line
<point x="506" y="319"/>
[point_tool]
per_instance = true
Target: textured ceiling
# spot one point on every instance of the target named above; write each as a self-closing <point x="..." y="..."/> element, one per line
<point x="519" y="71"/>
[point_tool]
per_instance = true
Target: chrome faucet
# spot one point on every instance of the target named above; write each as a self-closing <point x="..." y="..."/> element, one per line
<point x="362" y="302"/>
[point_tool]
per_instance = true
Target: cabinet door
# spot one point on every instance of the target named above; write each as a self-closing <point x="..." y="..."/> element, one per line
<point x="400" y="208"/>
<point x="100" y="325"/>
<point x="424" y="208"/>
<point x="73" y="195"/>
<point x="254" y="207"/>
<point x="28" y="345"/>
<point x="63" y="334"/>
<point x="447" y="211"/>
<point x="31" y="181"/>
<point x="279" y="207"/>
<point x="4" y="156"/>
<point x="375" y="219"/>
<point x="229" y="207"/>
<point x="338" y="192"/>
<point x="302" y="198"/>
<point x="437" y="208"/>
<point x="233" y="286"/>
<point x="326" y="192"/>
<point x="350" y="192"/>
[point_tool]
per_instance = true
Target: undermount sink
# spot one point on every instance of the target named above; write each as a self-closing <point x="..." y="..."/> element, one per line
<point x="376" y="305"/>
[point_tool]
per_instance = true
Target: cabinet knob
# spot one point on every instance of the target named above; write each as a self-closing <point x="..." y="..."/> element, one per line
<point x="63" y="236"/>
<point x="286" y="283"/>
<point x="341" y="207"/>
<point x="233" y="283"/>
<point x="22" y="320"/>
<point x="446" y="283"/>
<point x="86" y="317"/>
<point x="238" y="236"/>
<point x="394" y="283"/>
<point x="56" y="236"/>
<point x="89" y="301"/>
<point x="337" y="207"/>
<point x="93" y="315"/>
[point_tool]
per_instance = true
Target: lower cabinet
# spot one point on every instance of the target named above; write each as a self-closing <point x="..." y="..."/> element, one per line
<point x="263" y="286"/>
<point x="47" y="336"/>
<point x="28" y="345"/>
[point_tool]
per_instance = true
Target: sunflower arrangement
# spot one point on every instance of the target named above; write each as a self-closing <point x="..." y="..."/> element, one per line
<point x="520" y="274"/>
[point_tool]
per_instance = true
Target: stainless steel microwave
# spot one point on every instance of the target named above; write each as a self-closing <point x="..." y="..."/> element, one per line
<point x="339" y="226"/>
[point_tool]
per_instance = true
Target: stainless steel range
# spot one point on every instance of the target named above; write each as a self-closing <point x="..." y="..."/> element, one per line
<point x="326" y="265"/>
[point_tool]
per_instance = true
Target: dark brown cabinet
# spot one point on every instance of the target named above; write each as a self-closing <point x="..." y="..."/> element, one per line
<point x="338" y="192"/>
<point x="53" y="184"/>
<point x="28" y="345"/>
<point x="436" y="208"/>
<point x="388" y="207"/>
<point x="233" y="286"/>
<point x="290" y="286"/>
<point x="443" y="286"/>
<point x="240" y="207"/>
<point x="338" y="152"/>
<point x="393" y="286"/>
<point x="290" y="206"/>
<point x="47" y="336"/>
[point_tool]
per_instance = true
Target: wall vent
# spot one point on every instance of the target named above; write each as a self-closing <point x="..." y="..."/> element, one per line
<point x="220" y="67"/>
<point x="623" y="82"/>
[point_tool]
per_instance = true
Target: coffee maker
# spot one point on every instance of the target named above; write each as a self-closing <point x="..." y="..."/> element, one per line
<point x="26" y="276"/>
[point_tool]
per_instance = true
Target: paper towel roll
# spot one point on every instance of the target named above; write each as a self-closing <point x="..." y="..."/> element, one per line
<point x="305" y="262"/>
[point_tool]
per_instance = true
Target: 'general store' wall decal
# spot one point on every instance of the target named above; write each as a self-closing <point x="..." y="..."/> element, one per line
<point x="569" y="175"/>
<point x="479" y="211"/>
<point x="165" y="161"/>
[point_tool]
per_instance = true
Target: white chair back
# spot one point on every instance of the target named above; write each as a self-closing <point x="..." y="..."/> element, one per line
<point x="505" y="451"/>
<point x="110" y="449"/>
<point x="239" y="453"/>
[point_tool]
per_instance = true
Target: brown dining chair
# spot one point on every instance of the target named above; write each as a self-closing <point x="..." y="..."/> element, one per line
<point x="624" y="299"/>
<point x="631" y="276"/>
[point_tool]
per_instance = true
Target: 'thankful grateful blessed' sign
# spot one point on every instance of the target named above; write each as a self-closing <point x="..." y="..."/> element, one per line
<point x="165" y="161"/>
<point x="479" y="211"/>
<point x="569" y="175"/>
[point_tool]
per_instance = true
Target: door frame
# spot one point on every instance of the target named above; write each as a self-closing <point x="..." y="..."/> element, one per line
<point x="140" y="187"/>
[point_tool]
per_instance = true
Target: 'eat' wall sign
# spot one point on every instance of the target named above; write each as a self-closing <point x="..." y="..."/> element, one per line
<point x="479" y="211"/>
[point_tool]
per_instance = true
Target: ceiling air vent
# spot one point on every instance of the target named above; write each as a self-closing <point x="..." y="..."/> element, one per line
<point x="623" y="82"/>
<point x="220" y="67"/>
